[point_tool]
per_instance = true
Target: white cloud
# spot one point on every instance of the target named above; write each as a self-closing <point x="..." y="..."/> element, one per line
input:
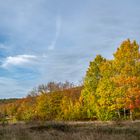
<point x="18" y="60"/>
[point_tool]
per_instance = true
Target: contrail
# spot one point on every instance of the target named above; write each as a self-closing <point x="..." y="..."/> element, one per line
<point x="57" y="33"/>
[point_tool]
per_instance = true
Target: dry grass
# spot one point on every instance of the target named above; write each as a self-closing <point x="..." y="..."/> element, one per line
<point x="71" y="131"/>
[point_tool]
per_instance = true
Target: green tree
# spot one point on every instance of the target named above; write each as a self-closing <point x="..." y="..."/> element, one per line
<point x="91" y="81"/>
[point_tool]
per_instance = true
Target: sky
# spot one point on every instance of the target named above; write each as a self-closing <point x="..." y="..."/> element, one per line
<point x="54" y="40"/>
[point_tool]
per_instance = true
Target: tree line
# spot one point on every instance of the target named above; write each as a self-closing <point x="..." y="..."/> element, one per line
<point x="110" y="91"/>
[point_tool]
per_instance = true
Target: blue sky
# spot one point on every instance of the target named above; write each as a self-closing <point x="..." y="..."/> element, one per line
<point x="54" y="40"/>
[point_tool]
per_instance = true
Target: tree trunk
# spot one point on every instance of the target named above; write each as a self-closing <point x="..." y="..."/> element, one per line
<point x="124" y="111"/>
<point x="131" y="115"/>
<point x="119" y="114"/>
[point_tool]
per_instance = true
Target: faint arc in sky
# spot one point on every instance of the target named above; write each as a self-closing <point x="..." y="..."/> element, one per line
<point x="57" y="33"/>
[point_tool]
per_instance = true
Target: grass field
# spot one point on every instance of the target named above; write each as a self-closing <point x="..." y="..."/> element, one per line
<point x="72" y="131"/>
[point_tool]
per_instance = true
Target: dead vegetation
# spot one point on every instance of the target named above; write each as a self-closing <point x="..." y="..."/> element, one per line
<point x="71" y="131"/>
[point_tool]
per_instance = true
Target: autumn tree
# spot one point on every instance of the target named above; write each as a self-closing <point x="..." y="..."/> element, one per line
<point x="105" y="96"/>
<point x="48" y="106"/>
<point x="111" y="86"/>
<point x="91" y="81"/>
<point x="127" y="66"/>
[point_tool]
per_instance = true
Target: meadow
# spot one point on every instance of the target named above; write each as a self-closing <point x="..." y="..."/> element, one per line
<point x="125" y="130"/>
